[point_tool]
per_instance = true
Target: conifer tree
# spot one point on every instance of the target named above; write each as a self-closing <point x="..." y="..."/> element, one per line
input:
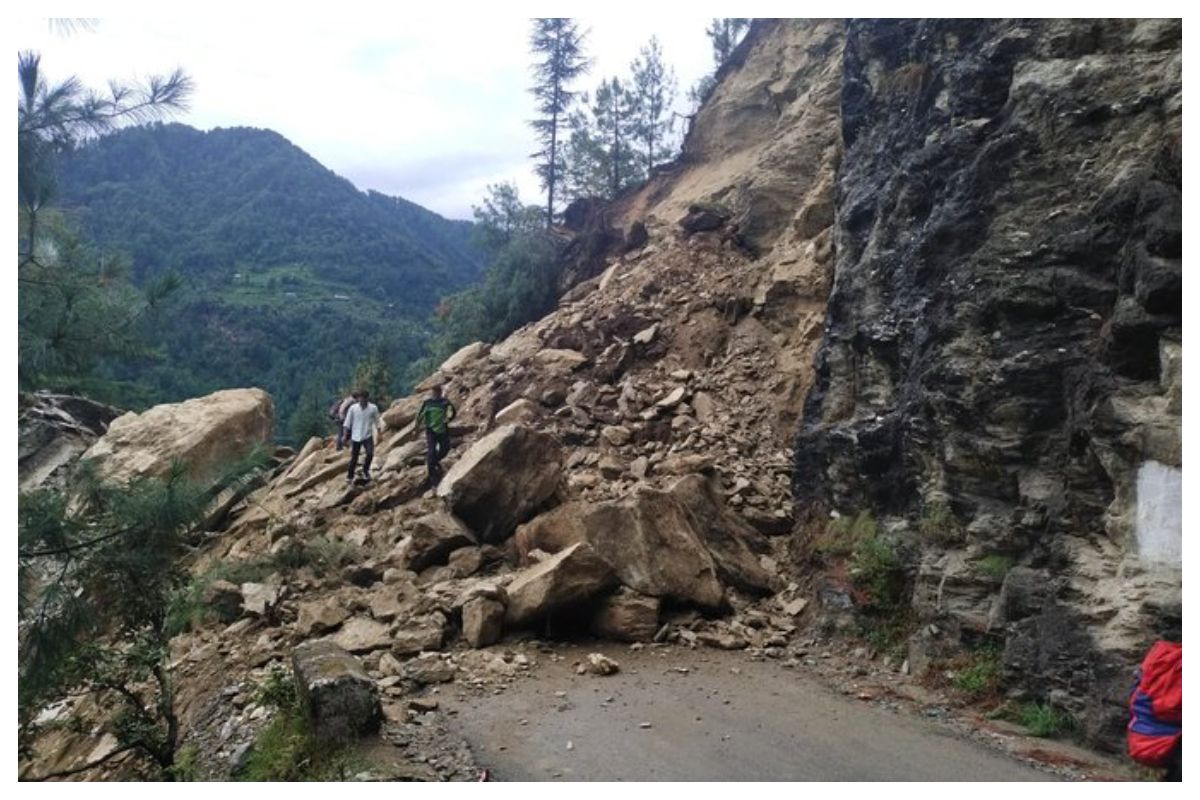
<point x="98" y="571"/>
<point x="725" y="34"/>
<point x="654" y="88"/>
<point x="614" y="114"/>
<point x="557" y="44"/>
<point x="76" y="307"/>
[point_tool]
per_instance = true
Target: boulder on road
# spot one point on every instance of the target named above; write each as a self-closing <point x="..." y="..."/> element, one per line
<point x="567" y="579"/>
<point x="340" y="700"/>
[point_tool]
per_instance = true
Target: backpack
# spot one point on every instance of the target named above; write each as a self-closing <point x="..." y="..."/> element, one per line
<point x="1156" y="705"/>
<point x="333" y="410"/>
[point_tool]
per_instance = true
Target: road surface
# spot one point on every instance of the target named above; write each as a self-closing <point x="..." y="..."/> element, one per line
<point x="725" y="719"/>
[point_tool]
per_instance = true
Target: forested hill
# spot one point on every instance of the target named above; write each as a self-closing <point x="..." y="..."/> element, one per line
<point x="212" y="204"/>
<point x="291" y="274"/>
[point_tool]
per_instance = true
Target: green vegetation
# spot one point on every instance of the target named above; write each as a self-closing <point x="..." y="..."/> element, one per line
<point x="77" y="308"/>
<point x="287" y="275"/>
<point x="187" y="764"/>
<point x="995" y="566"/>
<point x="842" y="534"/>
<point x="876" y="570"/>
<point x="888" y="634"/>
<point x="939" y="525"/>
<point x="97" y="572"/>
<point x="1046" y="721"/>
<point x="980" y="677"/>
<point x="285" y="750"/>
<point x="277" y="689"/>
<point x="521" y="284"/>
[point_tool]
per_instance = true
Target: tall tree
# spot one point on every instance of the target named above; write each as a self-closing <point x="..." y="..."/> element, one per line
<point x="558" y="45"/>
<point x="76" y="307"/>
<point x="725" y="33"/>
<point x="502" y="216"/>
<point x="614" y="113"/>
<point x="654" y="88"/>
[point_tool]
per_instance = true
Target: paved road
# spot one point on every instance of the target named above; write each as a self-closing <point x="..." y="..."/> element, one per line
<point x="762" y="723"/>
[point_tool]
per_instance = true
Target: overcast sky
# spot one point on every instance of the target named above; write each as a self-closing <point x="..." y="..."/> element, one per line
<point x="431" y="111"/>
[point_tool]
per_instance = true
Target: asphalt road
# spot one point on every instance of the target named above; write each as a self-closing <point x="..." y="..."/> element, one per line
<point x="726" y="719"/>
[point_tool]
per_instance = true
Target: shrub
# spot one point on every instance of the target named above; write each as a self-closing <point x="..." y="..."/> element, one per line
<point x="995" y="566"/>
<point x="277" y="689"/>
<point x="187" y="764"/>
<point x="939" y="525"/>
<point x="1046" y="721"/>
<point x="876" y="570"/>
<point x="843" y="533"/>
<point x="285" y="750"/>
<point x="981" y="676"/>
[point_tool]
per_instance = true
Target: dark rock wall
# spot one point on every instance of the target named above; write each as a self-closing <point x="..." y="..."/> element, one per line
<point x="1003" y="332"/>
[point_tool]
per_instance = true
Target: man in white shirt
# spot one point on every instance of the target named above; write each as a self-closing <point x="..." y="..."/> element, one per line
<point x="362" y="419"/>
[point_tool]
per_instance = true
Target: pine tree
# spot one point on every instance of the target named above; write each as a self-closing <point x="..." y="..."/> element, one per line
<point x="558" y="44"/>
<point x="614" y="113"/>
<point x="98" y="571"/>
<point x="654" y="88"/>
<point x="725" y="33"/>
<point x="585" y="161"/>
<point x="502" y="217"/>
<point x="76" y="307"/>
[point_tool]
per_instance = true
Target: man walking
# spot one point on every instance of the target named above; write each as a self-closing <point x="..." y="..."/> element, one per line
<point x="434" y="416"/>
<point x="362" y="418"/>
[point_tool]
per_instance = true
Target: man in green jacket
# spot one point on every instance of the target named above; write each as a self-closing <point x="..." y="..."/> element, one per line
<point x="434" y="416"/>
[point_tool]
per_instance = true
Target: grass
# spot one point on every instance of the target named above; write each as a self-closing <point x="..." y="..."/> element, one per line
<point x="980" y="676"/>
<point x="888" y="635"/>
<point x="939" y="525"/>
<point x="1045" y="721"/>
<point x="995" y="566"/>
<point x="187" y="764"/>
<point x="277" y="689"/>
<point x="843" y="533"/>
<point x="1040" y="719"/>
<point x="285" y="749"/>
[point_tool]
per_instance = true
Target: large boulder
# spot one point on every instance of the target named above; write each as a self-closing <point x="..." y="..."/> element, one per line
<point x="563" y="581"/>
<point x="341" y="701"/>
<point x="206" y="434"/>
<point x="402" y="412"/>
<point x="503" y="480"/>
<point x="733" y="544"/>
<point x="649" y="539"/>
<point x="431" y="539"/>
<point x="627" y="616"/>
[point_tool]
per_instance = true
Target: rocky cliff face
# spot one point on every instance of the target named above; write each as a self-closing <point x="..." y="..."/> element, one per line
<point x="1002" y="350"/>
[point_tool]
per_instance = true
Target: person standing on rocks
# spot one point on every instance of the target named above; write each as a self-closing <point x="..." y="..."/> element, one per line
<point x="337" y="412"/>
<point x="362" y="418"/>
<point x="434" y="416"/>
